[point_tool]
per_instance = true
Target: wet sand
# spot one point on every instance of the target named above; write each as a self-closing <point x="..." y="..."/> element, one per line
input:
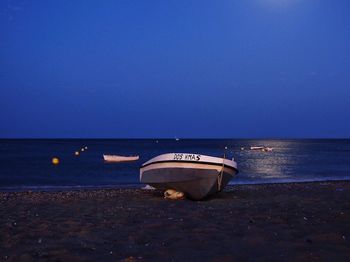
<point x="275" y="222"/>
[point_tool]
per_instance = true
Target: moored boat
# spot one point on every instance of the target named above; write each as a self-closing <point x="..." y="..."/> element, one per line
<point x="261" y="148"/>
<point x="116" y="158"/>
<point x="198" y="176"/>
<point x="256" y="148"/>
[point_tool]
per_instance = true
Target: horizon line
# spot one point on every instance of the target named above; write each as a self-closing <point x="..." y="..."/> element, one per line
<point x="172" y="138"/>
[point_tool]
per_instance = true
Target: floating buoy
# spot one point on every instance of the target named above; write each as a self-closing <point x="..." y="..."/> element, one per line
<point x="82" y="150"/>
<point x="76" y="153"/>
<point x="55" y="161"/>
<point x="86" y="148"/>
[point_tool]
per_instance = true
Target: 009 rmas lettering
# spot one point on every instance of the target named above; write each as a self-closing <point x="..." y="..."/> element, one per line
<point x="192" y="157"/>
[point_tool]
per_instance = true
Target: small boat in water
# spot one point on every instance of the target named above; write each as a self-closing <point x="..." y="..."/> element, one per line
<point x="261" y="148"/>
<point x="116" y="158"/>
<point x="198" y="176"/>
<point x="256" y="148"/>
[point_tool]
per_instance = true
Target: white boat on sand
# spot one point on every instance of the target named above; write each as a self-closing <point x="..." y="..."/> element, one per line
<point x="198" y="176"/>
<point x="116" y="158"/>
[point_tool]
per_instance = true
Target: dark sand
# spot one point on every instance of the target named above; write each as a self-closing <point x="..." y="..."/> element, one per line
<point x="280" y="222"/>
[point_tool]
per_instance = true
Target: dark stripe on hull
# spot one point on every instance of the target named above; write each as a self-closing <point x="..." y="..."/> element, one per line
<point x="192" y="162"/>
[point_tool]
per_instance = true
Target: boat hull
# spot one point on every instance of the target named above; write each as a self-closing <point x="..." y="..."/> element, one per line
<point x="196" y="180"/>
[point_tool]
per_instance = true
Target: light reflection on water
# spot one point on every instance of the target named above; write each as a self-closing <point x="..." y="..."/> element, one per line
<point x="294" y="160"/>
<point x="267" y="165"/>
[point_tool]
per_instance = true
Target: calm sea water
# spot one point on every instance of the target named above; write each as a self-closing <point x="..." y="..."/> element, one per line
<point x="27" y="163"/>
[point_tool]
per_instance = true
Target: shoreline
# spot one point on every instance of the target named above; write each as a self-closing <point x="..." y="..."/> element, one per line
<point x="50" y="188"/>
<point x="293" y="221"/>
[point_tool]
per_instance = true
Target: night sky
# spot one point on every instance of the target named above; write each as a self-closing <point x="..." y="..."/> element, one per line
<point x="195" y="69"/>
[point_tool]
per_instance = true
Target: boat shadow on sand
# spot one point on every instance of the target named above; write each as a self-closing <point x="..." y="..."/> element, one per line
<point x="226" y="194"/>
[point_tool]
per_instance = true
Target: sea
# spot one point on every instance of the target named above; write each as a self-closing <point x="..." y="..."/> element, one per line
<point x="26" y="164"/>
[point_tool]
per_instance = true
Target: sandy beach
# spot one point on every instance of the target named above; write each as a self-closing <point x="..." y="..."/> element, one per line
<point x="272" y="222"/>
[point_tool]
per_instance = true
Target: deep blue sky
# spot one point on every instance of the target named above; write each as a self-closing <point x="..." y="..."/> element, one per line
<point x="249" y="68"/>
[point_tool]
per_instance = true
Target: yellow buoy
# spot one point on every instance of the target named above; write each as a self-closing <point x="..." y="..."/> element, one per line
<point x="76" y="153"/>
<point x="55" y="161"/>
